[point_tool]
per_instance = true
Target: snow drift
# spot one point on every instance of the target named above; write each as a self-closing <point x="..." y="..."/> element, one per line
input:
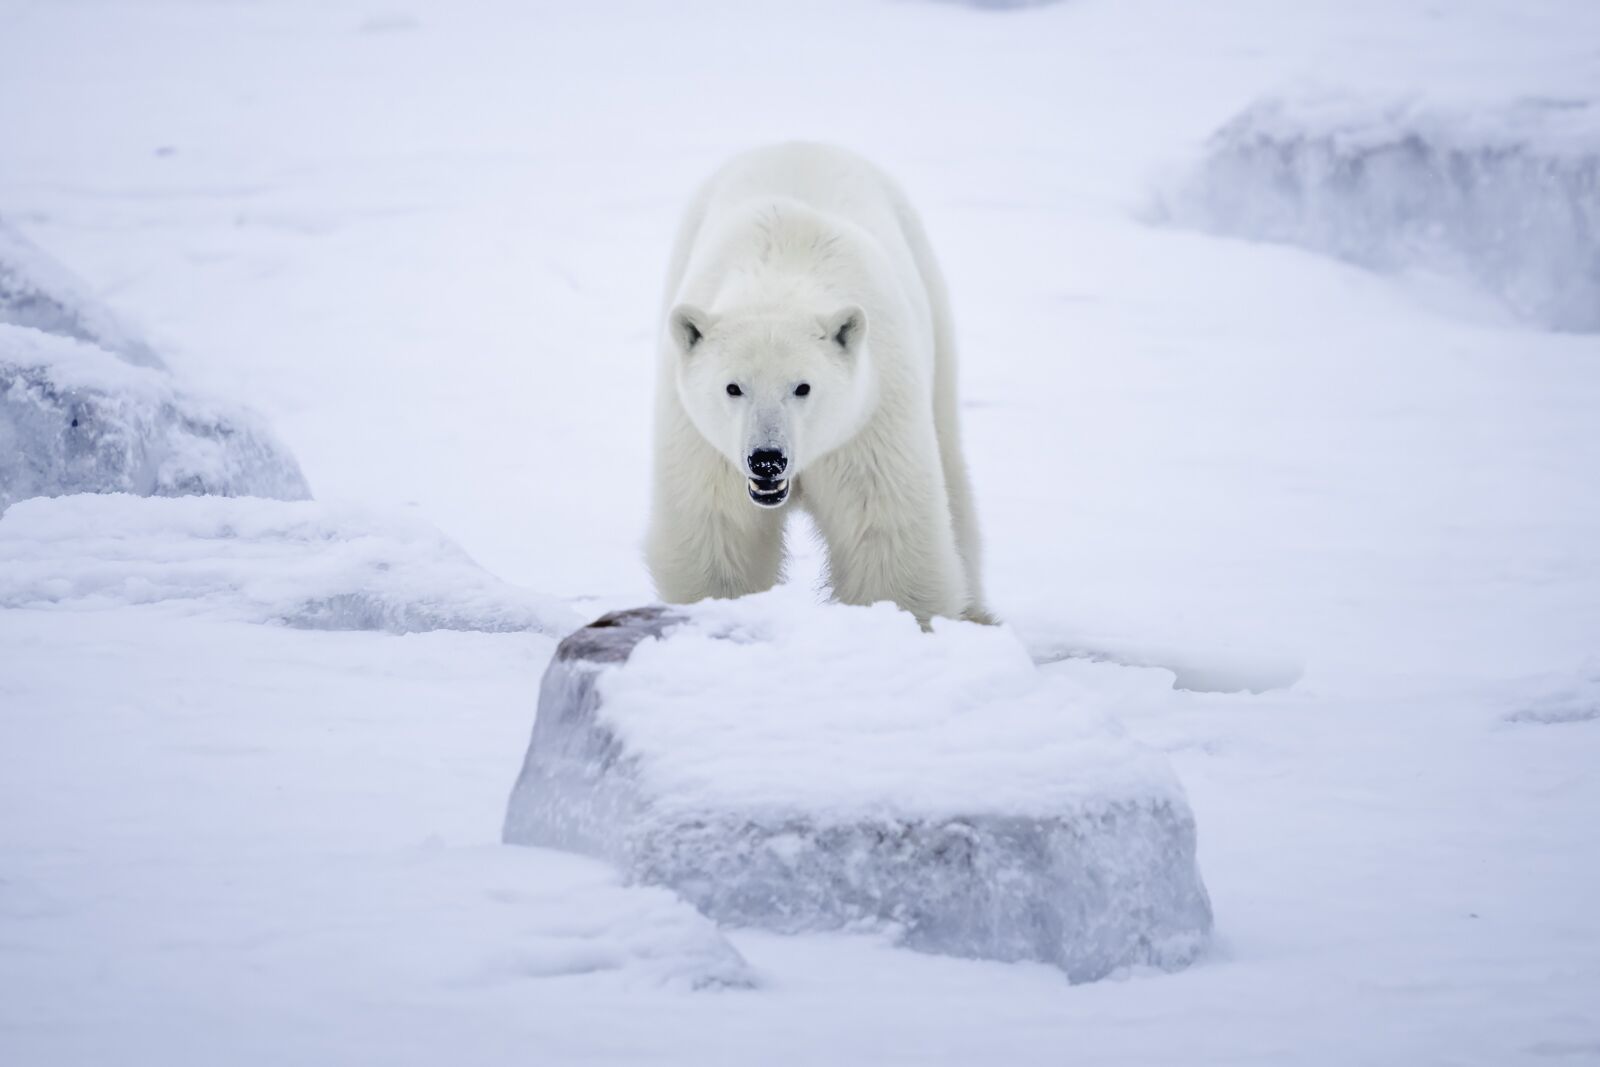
<point x="1506" y="197"/>
<point x="303" y="564"/>
<point x="86" y="407"/>
<point x="797" y="767"/>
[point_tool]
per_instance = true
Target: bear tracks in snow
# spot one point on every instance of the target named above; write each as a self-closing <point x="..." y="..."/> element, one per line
<point x="801" y="767"/>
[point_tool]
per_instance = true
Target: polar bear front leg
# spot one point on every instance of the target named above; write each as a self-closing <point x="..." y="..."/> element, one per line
<point x="695" y="553"/>
<point x="888" y="538"/>
<point x="706" y="538"/>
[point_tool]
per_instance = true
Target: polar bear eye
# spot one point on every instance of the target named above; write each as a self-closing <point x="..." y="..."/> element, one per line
<point x="803" y="389"/>
<point x="734" y="390"/>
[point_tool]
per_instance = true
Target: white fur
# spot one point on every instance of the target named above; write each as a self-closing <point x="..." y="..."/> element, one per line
<point x="804" y="263"/>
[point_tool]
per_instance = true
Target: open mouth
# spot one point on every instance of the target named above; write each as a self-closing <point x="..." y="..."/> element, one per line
<point x="769" y="493"/>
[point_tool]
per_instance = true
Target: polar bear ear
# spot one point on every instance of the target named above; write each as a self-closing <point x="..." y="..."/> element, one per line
<point x="688" y="325"/>
<point x="846" y="328"/>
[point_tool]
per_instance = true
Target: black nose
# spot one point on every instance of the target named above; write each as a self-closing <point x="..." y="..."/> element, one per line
<point x="768" y="463"/>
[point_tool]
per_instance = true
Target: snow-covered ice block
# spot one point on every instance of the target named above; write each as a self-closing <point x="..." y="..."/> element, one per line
<point x="1507" y="197"/>
<point x="76" y="418"/>
<point x="87" y="407"/>
<point x="37" y="291"/>
<point x="803" y="767"/>
<point x="303" y="564"/>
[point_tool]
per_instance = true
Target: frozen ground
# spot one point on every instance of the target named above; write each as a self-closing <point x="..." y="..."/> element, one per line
<point x="425" y="241"/>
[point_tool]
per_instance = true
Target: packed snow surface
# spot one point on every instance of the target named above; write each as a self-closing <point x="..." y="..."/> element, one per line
<point x="285" y="889"/>
<point x="799" y="767"/>
<point x="770" y="703"/>
<point x="1507" y="196"/>
<point x="426" y="241"/>
<point x="302" y="563"/>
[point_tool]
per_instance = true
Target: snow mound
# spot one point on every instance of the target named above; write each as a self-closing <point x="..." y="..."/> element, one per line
<point x="1506" y="197"/>
<point x="74" y="418"/>
<point x="798" y="767"/>
<point x="303" y="564"/>
<point x="37" y="291"/>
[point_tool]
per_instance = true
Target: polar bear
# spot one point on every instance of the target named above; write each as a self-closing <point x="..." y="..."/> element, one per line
<point x="806" y="358"/>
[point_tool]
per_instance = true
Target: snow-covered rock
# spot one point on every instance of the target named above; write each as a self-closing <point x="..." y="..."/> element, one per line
<point x="87" y="407"/>
<point x="37" y="291"/>
<point x="798" y="767"/>
<point x="303" y="564"/>
<point x="1506" y="197"/>
<point x="74" y="418"/>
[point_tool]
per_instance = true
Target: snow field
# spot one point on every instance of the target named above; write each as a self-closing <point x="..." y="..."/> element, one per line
<point x="425" y="241"/>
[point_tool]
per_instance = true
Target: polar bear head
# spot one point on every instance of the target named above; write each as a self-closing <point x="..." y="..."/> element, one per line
<point x="773" y="390"/>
